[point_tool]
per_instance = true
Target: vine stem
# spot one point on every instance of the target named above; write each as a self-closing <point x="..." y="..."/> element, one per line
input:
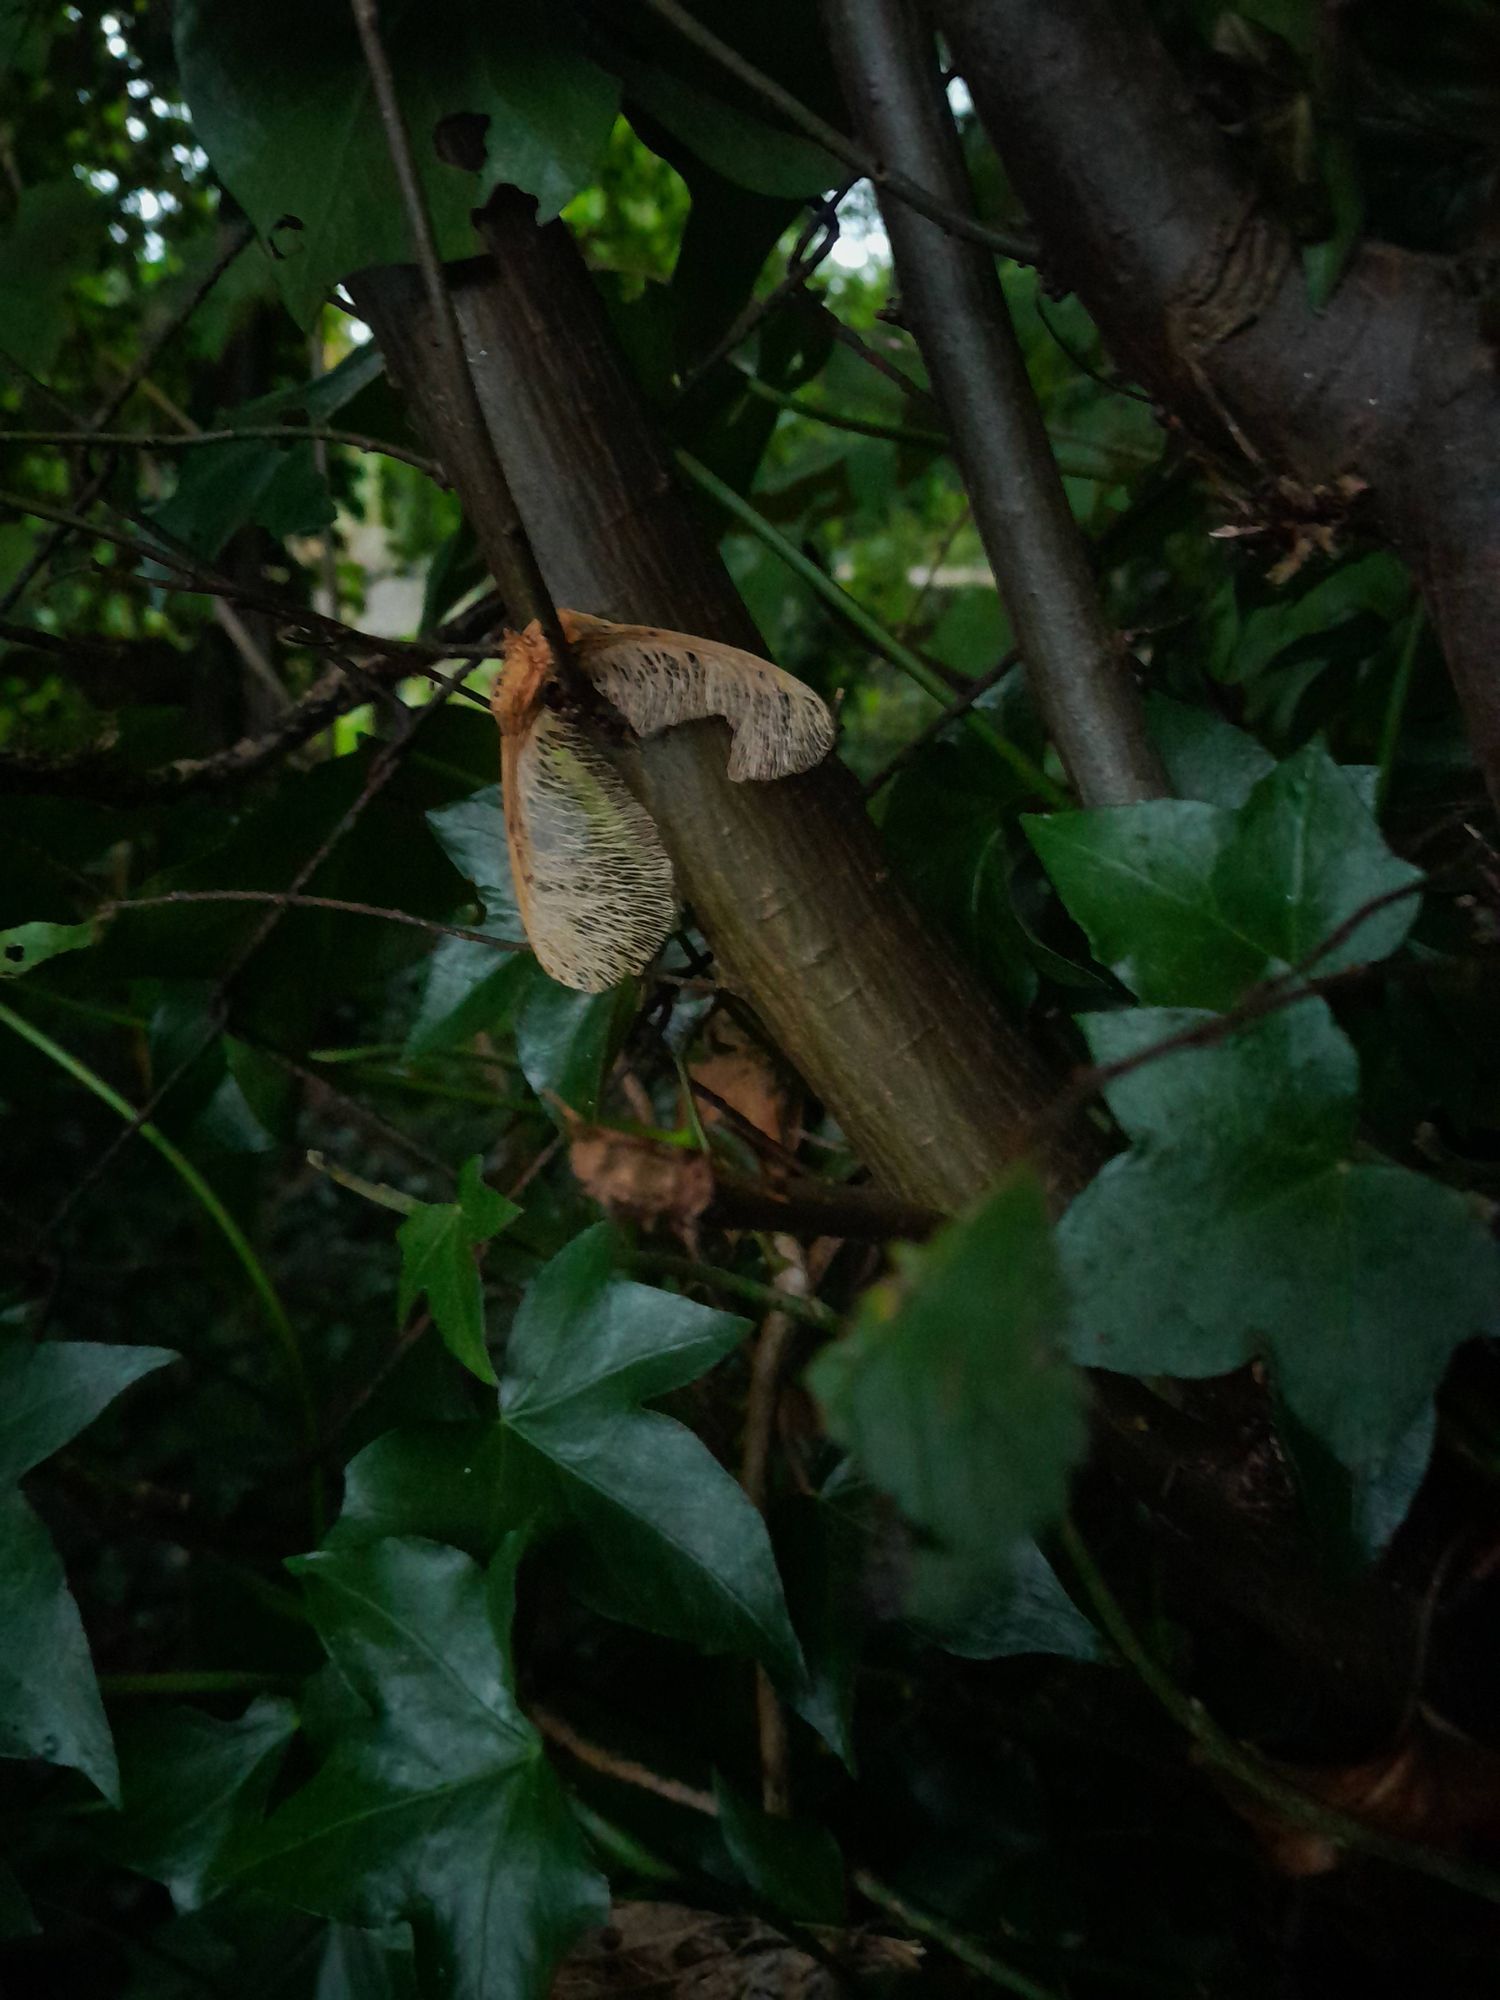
<point x="1242" y="1767"/>
<point x="953" y="1942"/>
<point x="811" y="1312"/>
<point x="281" y="1327"/>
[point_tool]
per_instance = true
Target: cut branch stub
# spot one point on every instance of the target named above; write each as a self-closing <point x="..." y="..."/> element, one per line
<point x="593" y="881"/>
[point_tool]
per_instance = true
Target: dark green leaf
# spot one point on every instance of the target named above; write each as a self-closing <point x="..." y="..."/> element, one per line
<point x="1206" y="757"/>
<point x="469" y="987"/>
<point x="437" y="1243"/>
<point x="440" y="1807"/>
<point x="282" y="101"/>
<point x="49" y="1704"/>
<point x="952" y="1393"/>
<point x="1028" y="1612"/>
<point x="51" y="1390"/>
<point x="52" y="239"/>
<point x="188" y="1781"/>
<point x="792" y="1865"/>
<point x="1305" y="856"/>
<point x="442" y="1481"/>
<point x="670" y="1540"/>
<point x="1139" y="881"/>
<point x="565" y="1041"/>
<point x="1237" y="1226"/>
<point x="741" y="147"/>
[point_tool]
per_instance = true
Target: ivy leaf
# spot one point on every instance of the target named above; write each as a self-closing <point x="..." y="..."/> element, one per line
<point x="1028" y="1612"/>
<point x="1306" y="855"/>
<point x="469" y="986"/>
<point x="188" y="1781"/>
<point x="1237" y="1226"/>
<point x="1205" y="757"/>
<point x="1139" y="879"/>
<point x="437" y="1242"/>
<point x="438" y="1805"/>
<point x="30" y="945"/>
<point x="565" y="1041"/>
<point x="952" y="1393"/>
<point x="793" y="1865"/>
<point x="53" y="1389"/>
<point x="1189" y="904"/>
<point x="441" y="1481"/>
<point x="281" y="98"/>
<point x="49" y="1704"/>
<point x="666" y="1539"/>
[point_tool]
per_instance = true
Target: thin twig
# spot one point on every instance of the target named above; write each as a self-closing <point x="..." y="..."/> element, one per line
<point x="523" y="587"/>
<point x="953" y="1942"/>
<point x="818" y="236"/>
<point x="1286" y="989"/>
<point x="954" y="712"/>
<point x="239" y="238"/>
<point x="623" y="1769"/>
<point x="299" y="901"/>
<point x="1004" y="242"/>
<point x="190" y="440"/>
<point x="664" y="1264"/>
<point x="865" y="623"/>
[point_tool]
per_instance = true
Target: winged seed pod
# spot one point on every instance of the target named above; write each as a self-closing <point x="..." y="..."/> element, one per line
<point x="656" y="679"/>
<point x="593" y="881"/>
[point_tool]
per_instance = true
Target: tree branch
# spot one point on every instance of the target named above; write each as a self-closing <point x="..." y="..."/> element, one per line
<point x="951" y="299"/>
<point x="949" y="215"/>
<point x="1200" y="295"/>
<point x="188" y="440"/>
<point x="787" y="879"/>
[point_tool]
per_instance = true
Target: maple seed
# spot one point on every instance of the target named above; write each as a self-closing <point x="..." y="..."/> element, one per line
<point x="593" y="881"/>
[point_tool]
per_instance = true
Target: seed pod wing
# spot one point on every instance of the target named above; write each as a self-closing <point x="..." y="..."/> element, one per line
<point x="655" y="679"/>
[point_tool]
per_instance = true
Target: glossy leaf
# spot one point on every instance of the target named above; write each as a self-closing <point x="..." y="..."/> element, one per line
<point x="1306" y="855"/>
<point x="49" y="1704"/>
<point x="1189" y="903"/>
<point x="51" y="1390"/>
<point x="952" y="1393"/>
<point x="439" y="1806"/>
<point x="437" y="1242"/>
<point x="441" y="1481"/>
<point x="667" y="1539"/>
<point x="282" y="101"/>
<point x="1238" y="1226"/>
<point x="565" y="1041"/>
<point x="469" y="987"/>
<point x="1139" y="879"/>
<point x="188" y="1782"/>
<point x="791" y="1864"/>
<point x="1027" y="1612"/>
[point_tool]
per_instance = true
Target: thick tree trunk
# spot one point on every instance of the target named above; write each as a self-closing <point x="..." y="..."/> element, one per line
<point x="1200" y="294"/>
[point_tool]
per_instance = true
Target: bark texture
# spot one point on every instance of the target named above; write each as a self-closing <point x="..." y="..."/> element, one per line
<point x="952" y="301"/>
<point x="1199" y="292"/>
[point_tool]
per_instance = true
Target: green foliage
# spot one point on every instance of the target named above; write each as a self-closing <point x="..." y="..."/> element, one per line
<point x="952" y="1393"/>
<point x="1189" y="904"/>
<point x="437" y="1242"/>
<point x="435" y="1802"/>
<point x="49" y="1703"/>
<point x="217" y="1779"/>
<point x="1239" y="1224"/>
<point x="668" y="1539"/>
<point x="284" y="105"/>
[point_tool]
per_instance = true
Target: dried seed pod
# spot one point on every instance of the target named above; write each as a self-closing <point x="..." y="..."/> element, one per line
<point x="656" y="679"/>
<point x="593" y="882"/>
